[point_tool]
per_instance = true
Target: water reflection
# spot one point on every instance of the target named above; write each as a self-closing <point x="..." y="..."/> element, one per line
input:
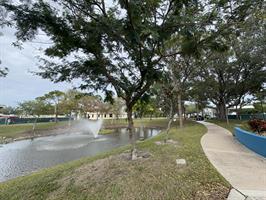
<point x="22" y="157"/>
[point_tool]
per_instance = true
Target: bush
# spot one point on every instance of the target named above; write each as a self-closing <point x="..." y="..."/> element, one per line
<point x="258" y="125"/>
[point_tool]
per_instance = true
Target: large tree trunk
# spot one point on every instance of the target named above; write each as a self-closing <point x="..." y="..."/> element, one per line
<point x="180" y="111"/>
<point x="131" y="132"/>
<point x="226" y="115"/>
<point x="221" y="110"/>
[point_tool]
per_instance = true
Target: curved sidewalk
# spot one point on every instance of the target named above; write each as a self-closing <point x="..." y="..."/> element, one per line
<point x="243" y="169"/>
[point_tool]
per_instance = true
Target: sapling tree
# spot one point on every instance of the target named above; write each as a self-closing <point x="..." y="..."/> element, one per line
<point x="180" y="70"/>
<point x="166" y="98"/>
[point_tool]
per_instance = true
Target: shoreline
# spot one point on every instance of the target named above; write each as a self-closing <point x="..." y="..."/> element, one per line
<point x="63" y="130"/>
<point x="28" y="135"/>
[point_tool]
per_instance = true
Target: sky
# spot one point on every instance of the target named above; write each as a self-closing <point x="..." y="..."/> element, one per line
<point x="20" y="84"/>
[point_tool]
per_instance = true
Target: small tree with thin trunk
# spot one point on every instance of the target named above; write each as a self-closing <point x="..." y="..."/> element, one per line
<point x="34" y="108"/>
<point x="54" y="98"/>
<point x="180" y="70"/>
<point x="166" y="99"/>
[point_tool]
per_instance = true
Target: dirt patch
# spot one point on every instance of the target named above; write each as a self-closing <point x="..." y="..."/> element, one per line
<point x="212" y="192"/>
<point x="94" y="175"/>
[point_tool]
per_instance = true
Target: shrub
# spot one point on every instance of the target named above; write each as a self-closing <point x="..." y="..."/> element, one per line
<point x="257" y="125"/>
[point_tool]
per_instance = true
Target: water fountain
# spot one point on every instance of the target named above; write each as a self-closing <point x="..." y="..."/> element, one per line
<point x="89" y="126"/>
<point x="79" y="141"/>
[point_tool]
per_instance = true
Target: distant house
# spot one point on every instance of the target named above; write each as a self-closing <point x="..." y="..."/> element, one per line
<point x="109" y="115"/>
<point x="232" y="111"/>
<point x="211" y="112"/>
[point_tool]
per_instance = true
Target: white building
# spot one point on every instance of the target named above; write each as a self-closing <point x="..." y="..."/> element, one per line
<point x="109" y="115"/>
<point x="209" y="111"/>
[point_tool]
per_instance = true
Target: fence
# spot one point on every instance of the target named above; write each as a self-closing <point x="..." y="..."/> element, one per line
<point x="30" y="120"/>
<point x="246" y="116"/>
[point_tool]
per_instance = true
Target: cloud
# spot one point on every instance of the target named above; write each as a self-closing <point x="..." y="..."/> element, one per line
<point x="21" y="84"/>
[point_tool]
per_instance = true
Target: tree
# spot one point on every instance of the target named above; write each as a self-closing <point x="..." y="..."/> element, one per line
<point x="199" y="95"/>
<point x="226" y="82"/>
<point x="70" y="101"/>
<point x="88" y="103"/>
<point x="140" y="108"/>
<point x="117" y="107"/>
<point x="54" y="98"/>
<point x="229" y="76"/>
<point x="119" y="45"/>
<point x="151" y="108"/>
<point x="34" y="108"/>
<point x="180" y="70"/>
<point x="3" y="22"/>
<point x="8" y="110"/>
<point x="261" y="97"/>
<point x="166" y="95"/>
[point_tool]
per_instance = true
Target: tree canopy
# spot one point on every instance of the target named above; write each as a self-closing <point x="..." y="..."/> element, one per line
<point x="120" y="44"/>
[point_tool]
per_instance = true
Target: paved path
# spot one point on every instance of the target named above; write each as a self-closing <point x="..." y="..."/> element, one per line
<point x="243" y="169"/>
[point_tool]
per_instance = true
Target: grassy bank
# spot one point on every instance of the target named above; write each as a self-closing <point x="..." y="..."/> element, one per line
<point x="110" y="125"/>
<point x="113" y="176"/>
<point x="155" y="122"/>
<point x="232" y="124"/>
<point x="20" y="130"/>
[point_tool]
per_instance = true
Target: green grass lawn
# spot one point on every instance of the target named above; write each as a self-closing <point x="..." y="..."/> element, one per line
<point x="232" y="124"/>
<point x="106" y="131"/>
<point x="156" y="122"/>
<point x="17" y="130"/>
<point x="112" y="176"/>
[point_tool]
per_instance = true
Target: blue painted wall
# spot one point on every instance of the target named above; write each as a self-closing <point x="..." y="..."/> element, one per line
<point x="252" y="141"/>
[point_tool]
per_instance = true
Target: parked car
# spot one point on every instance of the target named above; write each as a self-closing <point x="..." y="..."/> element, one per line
<point x="199" y="118"/>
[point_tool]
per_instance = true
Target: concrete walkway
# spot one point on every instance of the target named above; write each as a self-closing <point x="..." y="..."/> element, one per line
<point x="243" y="169"/>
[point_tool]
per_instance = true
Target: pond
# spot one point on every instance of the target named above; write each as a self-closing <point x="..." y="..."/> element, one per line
<point x="23" y="157"/>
